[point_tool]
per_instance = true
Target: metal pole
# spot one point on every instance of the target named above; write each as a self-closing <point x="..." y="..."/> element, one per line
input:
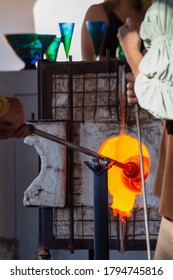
<point x="33" y="130"/>
<point x="101" y="237"/>
<point x="143" y="182"/>
<point x="136" y="109"/>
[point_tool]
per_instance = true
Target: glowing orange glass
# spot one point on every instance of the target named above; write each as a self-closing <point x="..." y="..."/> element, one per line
<point x="122" y="187"/>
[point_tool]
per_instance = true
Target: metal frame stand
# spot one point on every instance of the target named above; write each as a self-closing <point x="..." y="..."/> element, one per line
<point x="99" y="165"/>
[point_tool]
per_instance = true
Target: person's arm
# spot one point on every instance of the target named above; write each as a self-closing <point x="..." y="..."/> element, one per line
<point x="131" y="43"/>
<point x="153" y="94"/>
<point x="94" y="13"/>
<point x="11" y="117"/>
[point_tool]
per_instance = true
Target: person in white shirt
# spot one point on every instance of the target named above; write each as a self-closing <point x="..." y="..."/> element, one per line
<point x="151" y="85"/>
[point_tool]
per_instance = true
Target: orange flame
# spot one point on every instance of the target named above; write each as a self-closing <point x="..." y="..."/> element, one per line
<point x="123" y="189"/>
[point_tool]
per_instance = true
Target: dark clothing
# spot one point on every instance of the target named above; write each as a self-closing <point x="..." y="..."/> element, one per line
<point x="111" y="41"/>
<point x="163" y="186"/>
<point x="169" y="126"/>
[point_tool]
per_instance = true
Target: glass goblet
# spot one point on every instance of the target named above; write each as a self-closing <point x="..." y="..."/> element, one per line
<point x="97" y="31"/>
<point x="66" y="30"/>
<point x="52" y="51"/>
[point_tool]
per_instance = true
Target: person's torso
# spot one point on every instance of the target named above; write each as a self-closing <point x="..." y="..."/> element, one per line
<point x="111" y="41"/>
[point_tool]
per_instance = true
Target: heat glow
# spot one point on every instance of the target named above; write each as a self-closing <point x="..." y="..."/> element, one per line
<point x="124" y="148"/>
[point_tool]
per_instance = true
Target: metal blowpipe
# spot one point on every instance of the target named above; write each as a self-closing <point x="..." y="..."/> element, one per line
<point x="130" y="169"/>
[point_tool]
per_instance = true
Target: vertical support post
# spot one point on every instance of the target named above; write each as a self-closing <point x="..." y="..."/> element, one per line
<point x="70" y="156"/>
<point x="45" y="232"/>
<point x="101" y="237"/>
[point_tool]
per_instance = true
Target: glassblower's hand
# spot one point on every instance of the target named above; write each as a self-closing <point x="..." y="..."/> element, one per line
<point x="129" y="38"/>
<point x="131" y="96"/>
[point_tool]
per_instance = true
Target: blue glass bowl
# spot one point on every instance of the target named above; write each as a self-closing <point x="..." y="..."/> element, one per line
<point x="29" y="47"/>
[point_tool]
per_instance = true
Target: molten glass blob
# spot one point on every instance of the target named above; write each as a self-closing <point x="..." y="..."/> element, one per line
<point x="132" y="180"/>
<point x="124" y="185"/>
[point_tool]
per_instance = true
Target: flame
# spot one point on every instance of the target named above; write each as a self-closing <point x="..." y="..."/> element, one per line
<point x="123" y="189"/>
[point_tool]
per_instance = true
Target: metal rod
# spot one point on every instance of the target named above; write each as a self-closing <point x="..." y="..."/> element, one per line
<point x="67" y="143"/>
<point x="122" y="225"/>
<point x="143" y="182"/>
<point x="75" y="147"/>
<point x="70" y="157"/>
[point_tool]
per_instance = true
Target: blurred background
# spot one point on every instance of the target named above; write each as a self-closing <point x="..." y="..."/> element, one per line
<point x="42" y="16"/>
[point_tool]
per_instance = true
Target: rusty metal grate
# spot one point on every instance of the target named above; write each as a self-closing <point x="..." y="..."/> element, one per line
<point x="91" y="92"/>
<point x="79" y="93"/>
<point x="84" y="224"/>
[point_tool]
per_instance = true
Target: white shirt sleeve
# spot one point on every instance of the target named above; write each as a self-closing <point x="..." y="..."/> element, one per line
<point x="155" y="96"/>
<point x="154" y="84"/>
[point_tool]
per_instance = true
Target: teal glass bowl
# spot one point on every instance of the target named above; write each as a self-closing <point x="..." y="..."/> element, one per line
<point x="29" y="47"/>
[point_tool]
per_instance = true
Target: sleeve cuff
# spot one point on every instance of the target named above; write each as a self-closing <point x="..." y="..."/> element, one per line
<point x="4" y="106"/>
